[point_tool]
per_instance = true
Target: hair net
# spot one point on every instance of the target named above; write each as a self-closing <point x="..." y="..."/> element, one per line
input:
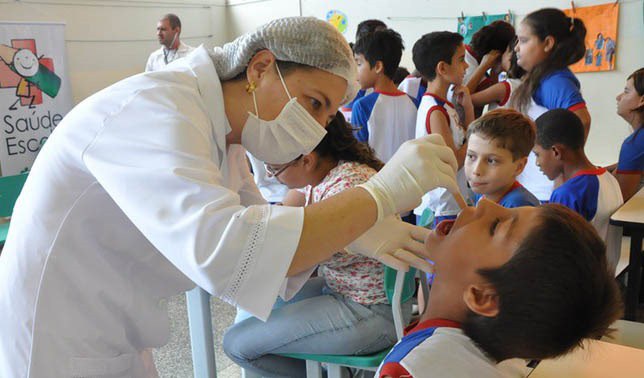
<point x="304" y="40"/>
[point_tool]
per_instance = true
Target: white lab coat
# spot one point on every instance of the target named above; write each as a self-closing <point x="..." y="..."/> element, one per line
<point x="156" y="60"/>
<point x="135" y="198"/>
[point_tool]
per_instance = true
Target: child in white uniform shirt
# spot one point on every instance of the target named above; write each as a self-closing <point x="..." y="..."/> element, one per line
<point x="527" y="282"/>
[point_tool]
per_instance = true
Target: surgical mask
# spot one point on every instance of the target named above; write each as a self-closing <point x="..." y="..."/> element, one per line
<point x="293" y="133"/>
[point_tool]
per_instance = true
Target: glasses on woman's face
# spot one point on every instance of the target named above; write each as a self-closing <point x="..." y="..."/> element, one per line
<point x="274" y="170"/>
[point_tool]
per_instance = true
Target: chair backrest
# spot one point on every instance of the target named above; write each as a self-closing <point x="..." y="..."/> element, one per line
<point x="10" y="187"/>
<point x="399" y="288"/>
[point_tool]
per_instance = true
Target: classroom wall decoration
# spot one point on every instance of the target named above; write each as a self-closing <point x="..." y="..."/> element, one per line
<point x="601" y="36"/>
<point x="34" y="90"/>
<point x="469" y="25"/>
<point x="338" y="19"/>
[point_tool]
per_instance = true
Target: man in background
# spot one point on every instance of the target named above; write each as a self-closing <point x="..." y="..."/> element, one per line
<point x="168" y="31"/>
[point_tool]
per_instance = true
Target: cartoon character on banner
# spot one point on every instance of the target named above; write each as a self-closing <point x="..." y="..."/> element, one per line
<point x="338" y="19"/>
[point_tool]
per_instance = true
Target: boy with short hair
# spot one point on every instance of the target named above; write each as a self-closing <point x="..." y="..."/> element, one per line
<point x="497" y="151"/>
<point x="385" y="118"/>
<point x="502" y="290"/>
<point x="440" y="59"/>
<point x="592" y="192"/>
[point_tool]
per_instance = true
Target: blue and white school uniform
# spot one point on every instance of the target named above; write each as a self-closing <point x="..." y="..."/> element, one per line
<point x="510" y="86"/>
<point x="384" y="121"/>
<point x="631" y="156"/>
<point x="440" y="201"/>
<point x="559" y="89"/>
<point x="439" y="348"/>
<point x="595" y="194"/>
<point x="516" y="196"/>
<point x="414" y="88"/>
<point x="347" y="109"/>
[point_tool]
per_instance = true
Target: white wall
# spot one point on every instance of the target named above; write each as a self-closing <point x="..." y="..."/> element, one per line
<point x="413" y="18"/>
<point x="110" y="40"/>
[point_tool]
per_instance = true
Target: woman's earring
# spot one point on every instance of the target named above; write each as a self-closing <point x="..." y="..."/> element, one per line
<point x="250" y="87"/>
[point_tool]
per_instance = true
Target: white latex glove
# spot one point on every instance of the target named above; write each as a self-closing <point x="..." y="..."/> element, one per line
<point x="394" y="243"/>
<point x="418" y="166"/>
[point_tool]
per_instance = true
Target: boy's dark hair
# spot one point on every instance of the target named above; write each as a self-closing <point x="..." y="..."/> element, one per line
<point x="369" y="26"/>
<point x="400" y="75"/>
<point x="173" y="20"/>
<point x="383" y="45"/>
<point x="340" y="144"/>
<point x="433" y="48"/>
<point x="508" y="128"/>
<point x="560" y="126"/>
<point x="638" y="84"/>
<point x="555" y="291"/>
<point x="495" y="36"/>
<point x="569" y="48"/>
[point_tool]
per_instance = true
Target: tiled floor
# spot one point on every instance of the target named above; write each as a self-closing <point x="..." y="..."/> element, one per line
<point x="174" y="360"/>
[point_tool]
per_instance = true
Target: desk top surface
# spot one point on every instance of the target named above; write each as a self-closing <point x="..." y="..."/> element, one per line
<point x="632" y="212"/>
<point x="597" y="359"/>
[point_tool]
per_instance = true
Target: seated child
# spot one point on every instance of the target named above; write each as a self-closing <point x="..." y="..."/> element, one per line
<point x="630" y="106"/>
<point x="344" y="310"/>
<point x="528" y="282"/>
<point x="386" y="118"/>
<point x="497" y="151"/>
<point x="499" y="94"/>
<point x="439" y="57"/>
<point x="592" y="192"/>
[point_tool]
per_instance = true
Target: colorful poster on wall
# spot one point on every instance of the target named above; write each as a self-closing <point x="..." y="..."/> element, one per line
<point x="34" y="90"/>
<point x="601" y="37"/>
<point x="467" y="26"/>
<point x="338" y="19"/>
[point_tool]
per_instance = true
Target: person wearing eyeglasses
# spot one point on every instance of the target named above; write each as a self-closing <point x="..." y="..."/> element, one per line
<point x="143" y="192"/>
<point x="344" y="309"/>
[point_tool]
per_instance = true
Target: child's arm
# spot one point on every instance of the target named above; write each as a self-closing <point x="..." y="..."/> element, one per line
<point x="496" y="93"/>
<point x="440" y="125"/>
<point x="487" y="62"/>
<point x="629" y="184"/>
<point x="463" y="98"/>
<point x="584" y="116"/>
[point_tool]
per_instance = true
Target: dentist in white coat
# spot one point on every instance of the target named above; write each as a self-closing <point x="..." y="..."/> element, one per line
<point x="143" y="192"/>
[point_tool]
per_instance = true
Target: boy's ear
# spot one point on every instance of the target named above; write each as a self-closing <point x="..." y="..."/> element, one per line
<point x="482" y="299"/>
<point x="441" y="67"/>
<point x="379" y="67"/>
<point x="521" y="163"/>
<point x="558" y="151"/>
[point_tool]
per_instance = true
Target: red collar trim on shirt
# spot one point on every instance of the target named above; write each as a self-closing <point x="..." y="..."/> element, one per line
<point x="439" y="98"/>
<point x="515" y="185"/>
<point x="469" y="50"/>
<point x="409" y="76"/>
<point x="397" y="93"/>
<point x="595" y="172"/>
<point x="431" y="323"/>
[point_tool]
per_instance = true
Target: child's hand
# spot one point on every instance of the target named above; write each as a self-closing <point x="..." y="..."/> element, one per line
<point x="491" y="58"/>
<point x="462" y="96"/>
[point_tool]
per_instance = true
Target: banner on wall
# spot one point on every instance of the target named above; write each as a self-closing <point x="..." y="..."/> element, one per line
<point x="601" y="36"/>
<point x="35" y="93"/>
<point x="467" y="26"/>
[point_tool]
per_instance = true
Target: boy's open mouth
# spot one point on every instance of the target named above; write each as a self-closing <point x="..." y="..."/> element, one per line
<point x="445" y="227"/>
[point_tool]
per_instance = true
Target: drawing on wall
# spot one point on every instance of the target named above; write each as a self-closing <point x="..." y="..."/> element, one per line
<point x="338" y="19"/>
<point x="469" y="25"/>
<point x="601" y="37"/>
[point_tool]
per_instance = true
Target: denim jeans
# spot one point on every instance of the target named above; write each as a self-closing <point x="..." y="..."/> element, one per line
<point x="316" y="321"/>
